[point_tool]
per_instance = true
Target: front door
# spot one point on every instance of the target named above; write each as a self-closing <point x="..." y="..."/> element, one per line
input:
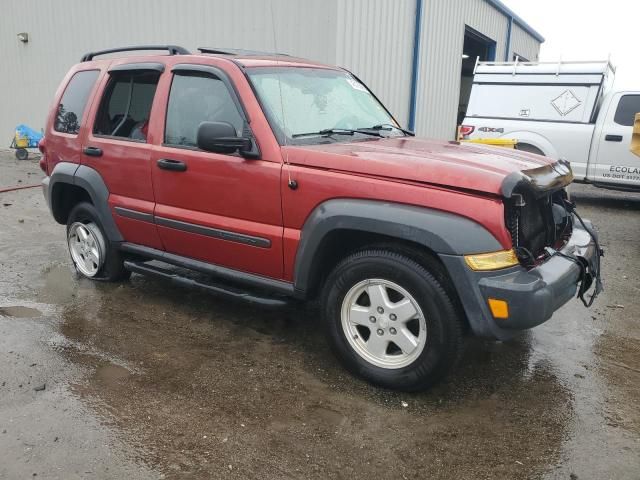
<point x="116" y="147"/>
<point x="615" y="162"/>
<point x="218" y="208"/>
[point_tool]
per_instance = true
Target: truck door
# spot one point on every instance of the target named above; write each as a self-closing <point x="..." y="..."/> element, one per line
<point x="219" y="208"/>
<point x="116" y="147"/>
<point x="615" y="163"/>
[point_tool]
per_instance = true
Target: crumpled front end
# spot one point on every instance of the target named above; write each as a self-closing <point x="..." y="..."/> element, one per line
<point x="558" y="255"/>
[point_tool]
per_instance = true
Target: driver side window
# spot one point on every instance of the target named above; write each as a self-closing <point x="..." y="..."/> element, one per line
<point x="195" y="98"/>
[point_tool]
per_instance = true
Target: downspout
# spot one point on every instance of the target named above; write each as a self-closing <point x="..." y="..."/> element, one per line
<point x="507" y="57"/>
<point x="415" y="67"/>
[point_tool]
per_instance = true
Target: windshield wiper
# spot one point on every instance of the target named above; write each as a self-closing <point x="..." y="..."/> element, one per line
<point x="389" y="126"/>
<point x="339" y="131"/>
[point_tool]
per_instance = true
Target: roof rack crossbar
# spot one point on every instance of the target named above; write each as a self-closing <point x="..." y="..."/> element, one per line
<point x="172" y="49"/>
<point x="606" y="64"/>
<point x="238" y="51"/>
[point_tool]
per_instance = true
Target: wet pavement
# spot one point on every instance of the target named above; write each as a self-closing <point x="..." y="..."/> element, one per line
<point x="144" y="380"/>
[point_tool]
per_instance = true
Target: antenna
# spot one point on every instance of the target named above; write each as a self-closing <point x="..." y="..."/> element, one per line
<point x="291" y="183"/>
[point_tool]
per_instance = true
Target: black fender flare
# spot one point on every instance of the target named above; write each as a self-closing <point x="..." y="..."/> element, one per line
<point x="89" y="180"/>
<point x="441" y="232"/>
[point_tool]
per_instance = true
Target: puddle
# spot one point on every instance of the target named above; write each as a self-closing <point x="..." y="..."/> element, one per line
<point x="110" y="374"/>
<point x="59" y="283"/>
<point x="18" y="311"/>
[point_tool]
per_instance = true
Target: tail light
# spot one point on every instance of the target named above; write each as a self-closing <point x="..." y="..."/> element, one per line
<point x="43" y="159"/>
<point x="466" y="130"/>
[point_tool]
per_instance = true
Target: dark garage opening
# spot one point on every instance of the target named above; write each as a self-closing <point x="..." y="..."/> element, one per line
<point x="476" y="47"/>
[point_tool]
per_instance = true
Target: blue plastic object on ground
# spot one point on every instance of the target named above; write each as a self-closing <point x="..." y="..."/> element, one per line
<point x="32" y="135"/>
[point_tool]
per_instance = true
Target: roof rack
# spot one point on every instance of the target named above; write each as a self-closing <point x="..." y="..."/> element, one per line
<point x="240" y="52"/>
<point x="172" y="49"/>
<point x="602" y="66"/>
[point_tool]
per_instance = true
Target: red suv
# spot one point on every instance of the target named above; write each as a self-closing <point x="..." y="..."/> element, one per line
<point x="270" y="178"/>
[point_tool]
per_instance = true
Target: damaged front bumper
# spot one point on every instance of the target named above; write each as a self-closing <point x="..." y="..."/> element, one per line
<point x="532" y="295"/>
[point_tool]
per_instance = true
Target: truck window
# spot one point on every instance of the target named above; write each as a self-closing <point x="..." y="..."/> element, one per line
<point x="195" y="98"/>
<point x="628" y="106"/>
<point x="126" y="104"/>
<point x="74" y="101"/>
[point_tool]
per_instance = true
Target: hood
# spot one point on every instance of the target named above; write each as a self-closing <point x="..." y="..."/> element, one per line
<point x="449" y="164"/>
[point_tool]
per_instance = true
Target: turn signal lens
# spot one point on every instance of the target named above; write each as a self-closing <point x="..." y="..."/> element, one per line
<point x="499" y="308"/>
<point x="492" y="261"/>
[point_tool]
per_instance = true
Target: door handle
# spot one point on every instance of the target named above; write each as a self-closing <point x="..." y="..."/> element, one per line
<point x="92" y="151"/>
<point x="613" y="138"/>
<point x="173" y="165"/>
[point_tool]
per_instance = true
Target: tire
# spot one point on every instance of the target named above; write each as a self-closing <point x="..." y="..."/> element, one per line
<point x="96" y="257"/>
<point x="437" y="328"/>
<point x="22" y="153"/>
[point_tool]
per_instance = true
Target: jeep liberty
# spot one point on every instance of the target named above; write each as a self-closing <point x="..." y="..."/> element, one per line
<point x="273" y="179"/>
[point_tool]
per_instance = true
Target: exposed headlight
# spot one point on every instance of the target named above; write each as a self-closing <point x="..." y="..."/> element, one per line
<point x="492" y="260"/>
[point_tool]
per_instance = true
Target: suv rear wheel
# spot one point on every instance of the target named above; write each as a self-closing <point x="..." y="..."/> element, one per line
<point x="92" y="253"/>
<point x="391" y="321"/>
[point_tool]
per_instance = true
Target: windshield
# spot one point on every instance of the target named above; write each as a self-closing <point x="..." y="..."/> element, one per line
<point x="316" y="101"/>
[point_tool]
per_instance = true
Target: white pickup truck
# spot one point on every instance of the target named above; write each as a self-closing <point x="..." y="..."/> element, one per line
<point x="561" y="110"/>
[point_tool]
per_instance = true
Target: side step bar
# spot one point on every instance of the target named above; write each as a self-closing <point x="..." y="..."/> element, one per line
<point x="249" y="279"/>
<point x="241" y="295"/>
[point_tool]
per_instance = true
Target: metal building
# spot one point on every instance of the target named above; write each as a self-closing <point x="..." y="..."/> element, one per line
<point x="417" y="55"/>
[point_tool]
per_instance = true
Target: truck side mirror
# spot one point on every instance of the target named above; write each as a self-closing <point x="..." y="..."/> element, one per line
<point x="221" y="137"/>
<point x="635" y="138"/>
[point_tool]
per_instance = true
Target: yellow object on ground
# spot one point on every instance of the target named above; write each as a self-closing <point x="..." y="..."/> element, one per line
<point x="496" y="142"/>
<point x="21" y="141"/>
<point x="635" y="138"/>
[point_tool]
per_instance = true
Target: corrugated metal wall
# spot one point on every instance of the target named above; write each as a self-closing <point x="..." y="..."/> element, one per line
<point x="372" y="38"/>
<point x="375" y="42"/>
<point x="61" y="31"/>
<point x="523" y="44"/>
<point x="441" y="58"/>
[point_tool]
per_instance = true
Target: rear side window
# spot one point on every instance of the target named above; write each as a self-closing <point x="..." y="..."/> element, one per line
<point x="197" y="98"/>
<point x="627" y="108"/>
<point x="73" y="102"/>
<point x="126" y="105"/>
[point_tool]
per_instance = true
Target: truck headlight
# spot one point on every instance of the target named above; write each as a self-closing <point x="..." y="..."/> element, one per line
<point x="492" y="260"/>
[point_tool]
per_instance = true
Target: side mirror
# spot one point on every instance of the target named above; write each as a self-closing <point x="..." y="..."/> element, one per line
<point x="221" y="137"/>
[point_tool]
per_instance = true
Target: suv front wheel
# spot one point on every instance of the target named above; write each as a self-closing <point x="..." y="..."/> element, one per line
<point x="391" y="321"/>
<point x="92" y="253"/>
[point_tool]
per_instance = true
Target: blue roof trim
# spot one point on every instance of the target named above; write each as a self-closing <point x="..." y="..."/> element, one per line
<point x="510" y="13"/>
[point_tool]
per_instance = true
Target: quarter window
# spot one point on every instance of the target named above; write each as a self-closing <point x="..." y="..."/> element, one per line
<point x="627" y="108"/>
<point x="74" y="101"/>
<point x="197" y="98"/>
<point x="126" y="105"/>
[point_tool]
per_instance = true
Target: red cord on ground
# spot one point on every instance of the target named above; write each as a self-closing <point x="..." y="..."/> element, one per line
<point x="12" y="189"/>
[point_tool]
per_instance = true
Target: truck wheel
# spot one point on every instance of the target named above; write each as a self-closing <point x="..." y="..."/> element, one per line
<point x="390" y="320"/>
<point x="92" y="253"/>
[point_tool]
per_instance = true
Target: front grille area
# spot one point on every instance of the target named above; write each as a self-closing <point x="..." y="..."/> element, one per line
<point x="536" y="223"/>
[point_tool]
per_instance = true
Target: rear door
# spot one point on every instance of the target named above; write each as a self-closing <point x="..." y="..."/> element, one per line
<point x="615" y="163"/>
<point x="219" y="208"/>
<point x="117" y="148"/>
